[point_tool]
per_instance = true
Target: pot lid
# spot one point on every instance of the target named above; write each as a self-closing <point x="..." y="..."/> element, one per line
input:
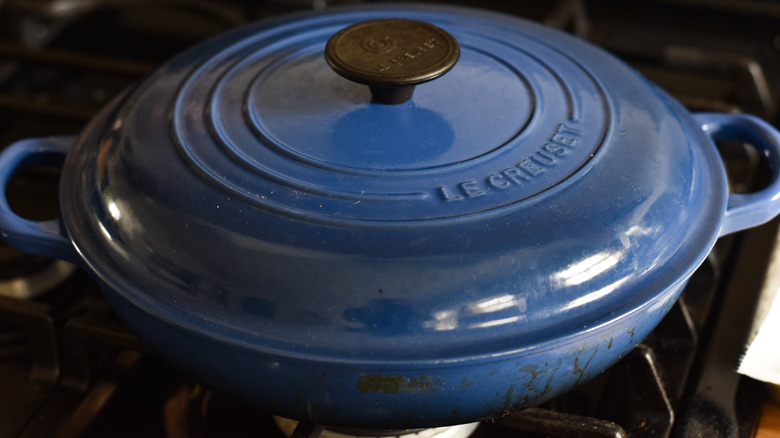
<point x="249" y="192"/>
<point x="285" y="124"/>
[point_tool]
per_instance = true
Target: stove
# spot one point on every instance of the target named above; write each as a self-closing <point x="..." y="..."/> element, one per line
<point x="69" y="368"/>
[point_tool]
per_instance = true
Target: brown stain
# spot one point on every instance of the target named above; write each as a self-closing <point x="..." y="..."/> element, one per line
<point x="509" y="397"/>
<point x="423" y="384"/>
<point x="532" y="394"/>
<point x="394" y="384"/>
<point x="581" y="369"/>
<point x="534" y="372"/>
<point x="547" y="385"/>
<point x="378" y="383"/>
<point x="631" y="332"/>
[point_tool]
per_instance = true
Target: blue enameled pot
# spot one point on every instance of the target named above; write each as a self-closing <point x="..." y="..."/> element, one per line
<point x="505" y="235"/>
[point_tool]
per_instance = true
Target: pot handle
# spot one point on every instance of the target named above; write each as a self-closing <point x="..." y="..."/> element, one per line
<point x="46" y="238"/>
<point x="749" y="209"/>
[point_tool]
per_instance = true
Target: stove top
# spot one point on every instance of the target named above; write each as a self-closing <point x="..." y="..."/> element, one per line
<point x="69" y="368"/>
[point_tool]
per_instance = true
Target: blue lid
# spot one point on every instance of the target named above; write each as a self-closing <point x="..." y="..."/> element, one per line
<point x="497" y="129"/>
<point x="248" y="192"/>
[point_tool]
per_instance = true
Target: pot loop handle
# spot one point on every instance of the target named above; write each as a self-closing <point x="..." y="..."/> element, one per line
<point x="46" y="238"/>
<point x="749" y="209"/>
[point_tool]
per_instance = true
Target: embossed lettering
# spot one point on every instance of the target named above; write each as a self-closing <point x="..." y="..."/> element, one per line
<point x="530" y="167"/>
<point x="560" y="143"/>
<point x="556" y="149"/>
<point x="498" y="181"/>
<point x="544" y="158"/>
<point x="449" y="196"/>
<point x="565" y="135"/>
<point x="411" y="54"/>
<point x="515" y="175"/>
<point x="386" y="44"/>
<point x="471" y="189"/>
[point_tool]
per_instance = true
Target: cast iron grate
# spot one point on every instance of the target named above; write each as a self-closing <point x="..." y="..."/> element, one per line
<point x="82" y="373"/>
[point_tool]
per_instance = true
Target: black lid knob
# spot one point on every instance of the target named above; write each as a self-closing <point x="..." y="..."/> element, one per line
<point x="392" y="56"/>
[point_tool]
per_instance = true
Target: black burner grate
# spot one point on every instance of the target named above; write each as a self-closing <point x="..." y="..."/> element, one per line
<point x="69" y="368"/>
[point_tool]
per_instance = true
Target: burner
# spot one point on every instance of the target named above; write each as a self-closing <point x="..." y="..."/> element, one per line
<point x="69" y="368"/>
<point x="192" y="411"/>
<point x="460" y="431"/>
<point x="26" y="276"/>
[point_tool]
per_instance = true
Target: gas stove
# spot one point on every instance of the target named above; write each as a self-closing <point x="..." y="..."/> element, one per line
<point x="69" y="367"/>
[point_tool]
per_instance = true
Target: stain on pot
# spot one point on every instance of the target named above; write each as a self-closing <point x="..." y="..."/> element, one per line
<point x="395" y="384"/>
<point x="580" y="369"/>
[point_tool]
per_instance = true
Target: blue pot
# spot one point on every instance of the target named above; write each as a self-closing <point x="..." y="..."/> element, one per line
<point x="505" y="235"/>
